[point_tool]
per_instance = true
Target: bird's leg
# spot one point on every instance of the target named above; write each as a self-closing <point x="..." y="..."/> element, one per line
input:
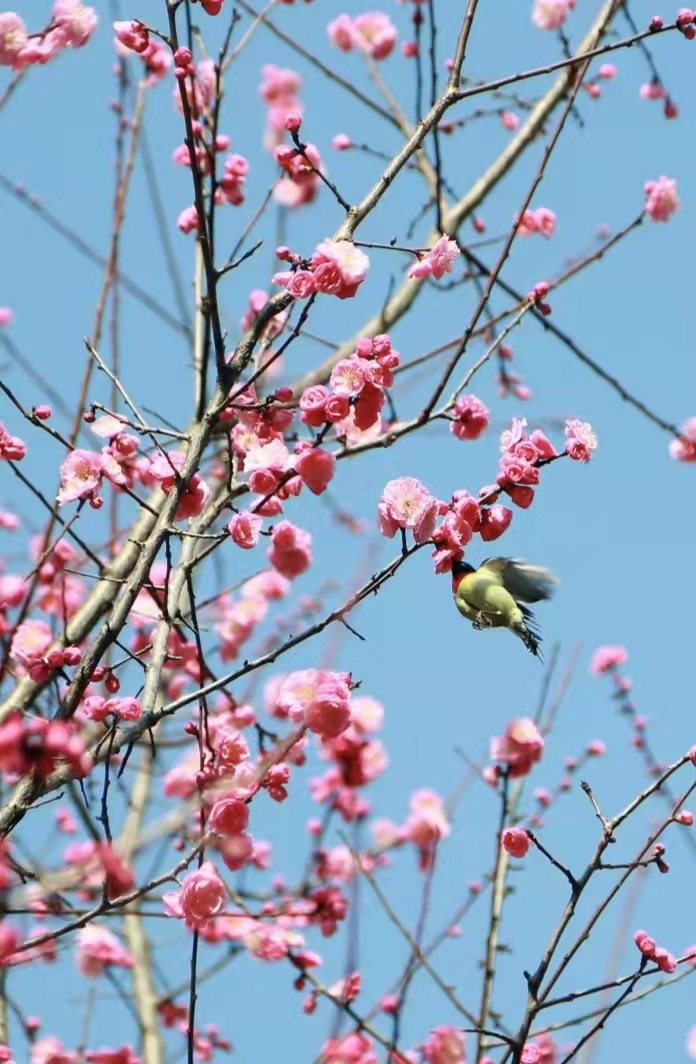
<point x="482" y="621"/>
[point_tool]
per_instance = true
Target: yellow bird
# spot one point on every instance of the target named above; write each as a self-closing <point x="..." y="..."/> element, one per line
<point x="492" y="596"/>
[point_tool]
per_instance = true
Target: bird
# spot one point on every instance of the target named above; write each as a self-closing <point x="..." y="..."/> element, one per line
<point x="494" y="595"/>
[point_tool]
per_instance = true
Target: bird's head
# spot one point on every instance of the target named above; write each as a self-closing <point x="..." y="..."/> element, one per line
<point x="460" y="569"/>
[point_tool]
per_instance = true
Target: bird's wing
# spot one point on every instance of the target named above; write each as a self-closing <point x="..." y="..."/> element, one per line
<point x="525" y="582"/>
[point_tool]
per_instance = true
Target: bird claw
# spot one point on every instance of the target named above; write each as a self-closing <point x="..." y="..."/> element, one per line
<point x="481" y="622"/>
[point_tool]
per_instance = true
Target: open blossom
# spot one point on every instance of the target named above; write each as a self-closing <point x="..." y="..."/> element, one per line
<point x="407" y="503"/>
<point x="342" y="33"/>
<point x="438" y="261"/>
<point x="74" y="21"/>
<point x="551" y="14"/>
<point x="339" y="268"/>
<point x="519" y="748"/>
<point x="13" y="37"/>
<point x="11" y="447"/>
<point x="606" y="658"/>
<point x="515" y="841"/>
<point x="545" y="221"/>
<point x="355" y="1048"/>
<point x="80" y="476"/>
<point x="318" y="698"/>
<point x="469" y="418"/>
<point x="30" y="643"/>
<point x="580" y="440"/>
<point x="663" y="199"/>
<point x="132" y="35"/>
<point x="542" y="221"/>
<point x="244" y="528"/>
<point x="684" y="449"/>
<point x="375" y="33"/>
<point x="445" y="1046"/>
<point x="202" y="896"/>
<point x="98" y="948"/>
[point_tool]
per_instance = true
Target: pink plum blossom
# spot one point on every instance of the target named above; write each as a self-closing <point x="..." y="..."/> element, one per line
<point x="98" y="948"/>
<point x="13" y="38"/>
<point x="202" y="896"/>
<point x="520" y="747"/>
<point x="229" y="816"/>
<point x="438" y="261"/>
<point x="315" y="466"/>
<point x="445" y="1045"/>
<point x="581" y="441"/>
<point x="515" y="842"/>
<point x="407" y="503"/>
<point x="375" y="33"/>
<point x="244" y="528"/>
<point x="663" y="199"/>
<point x="469" y="418"/>
<point x="30" y="643"/>
<point x="684" y="449"/>
<point x="339" y="268"/>
<point x="74" y="21"/>
<point x="607" y="658"/>
<point x="80" y="476"/>
<point x="551" y="14"/>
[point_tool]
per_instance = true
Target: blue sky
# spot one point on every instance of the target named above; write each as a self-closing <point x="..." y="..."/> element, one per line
<point x="608" y="529"/>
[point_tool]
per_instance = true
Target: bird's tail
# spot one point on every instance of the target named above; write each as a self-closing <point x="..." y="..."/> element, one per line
<point x="528" y="631"/>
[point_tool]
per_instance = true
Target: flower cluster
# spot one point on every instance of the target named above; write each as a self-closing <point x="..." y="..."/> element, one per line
<point x="280" y="88"/>
<point x="438" y="261"/>
<point x="98" y="948"/>
<point x="357" y="760"/>
<point x="318" y="699"/>
<point x="30" y="650"/>
<point x="425" y="827"/>
<point x="372" y="32"/>
<point x="662" y="957"/>
<point x="36" y="745"/>
<point x="12" y="448"/>
<point x="82" y="472"/>
<point x="71" y="26"/>
<point x="133" y="36"/>
<point x="606" y="659"/>
<point x="541" y="221"/>
<point x="302" y="168"/>
<point x="337" y="268"/>
<point x="519" y="465"/>
<point x="356" y="392"/>
<point x="166" y="470"/>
